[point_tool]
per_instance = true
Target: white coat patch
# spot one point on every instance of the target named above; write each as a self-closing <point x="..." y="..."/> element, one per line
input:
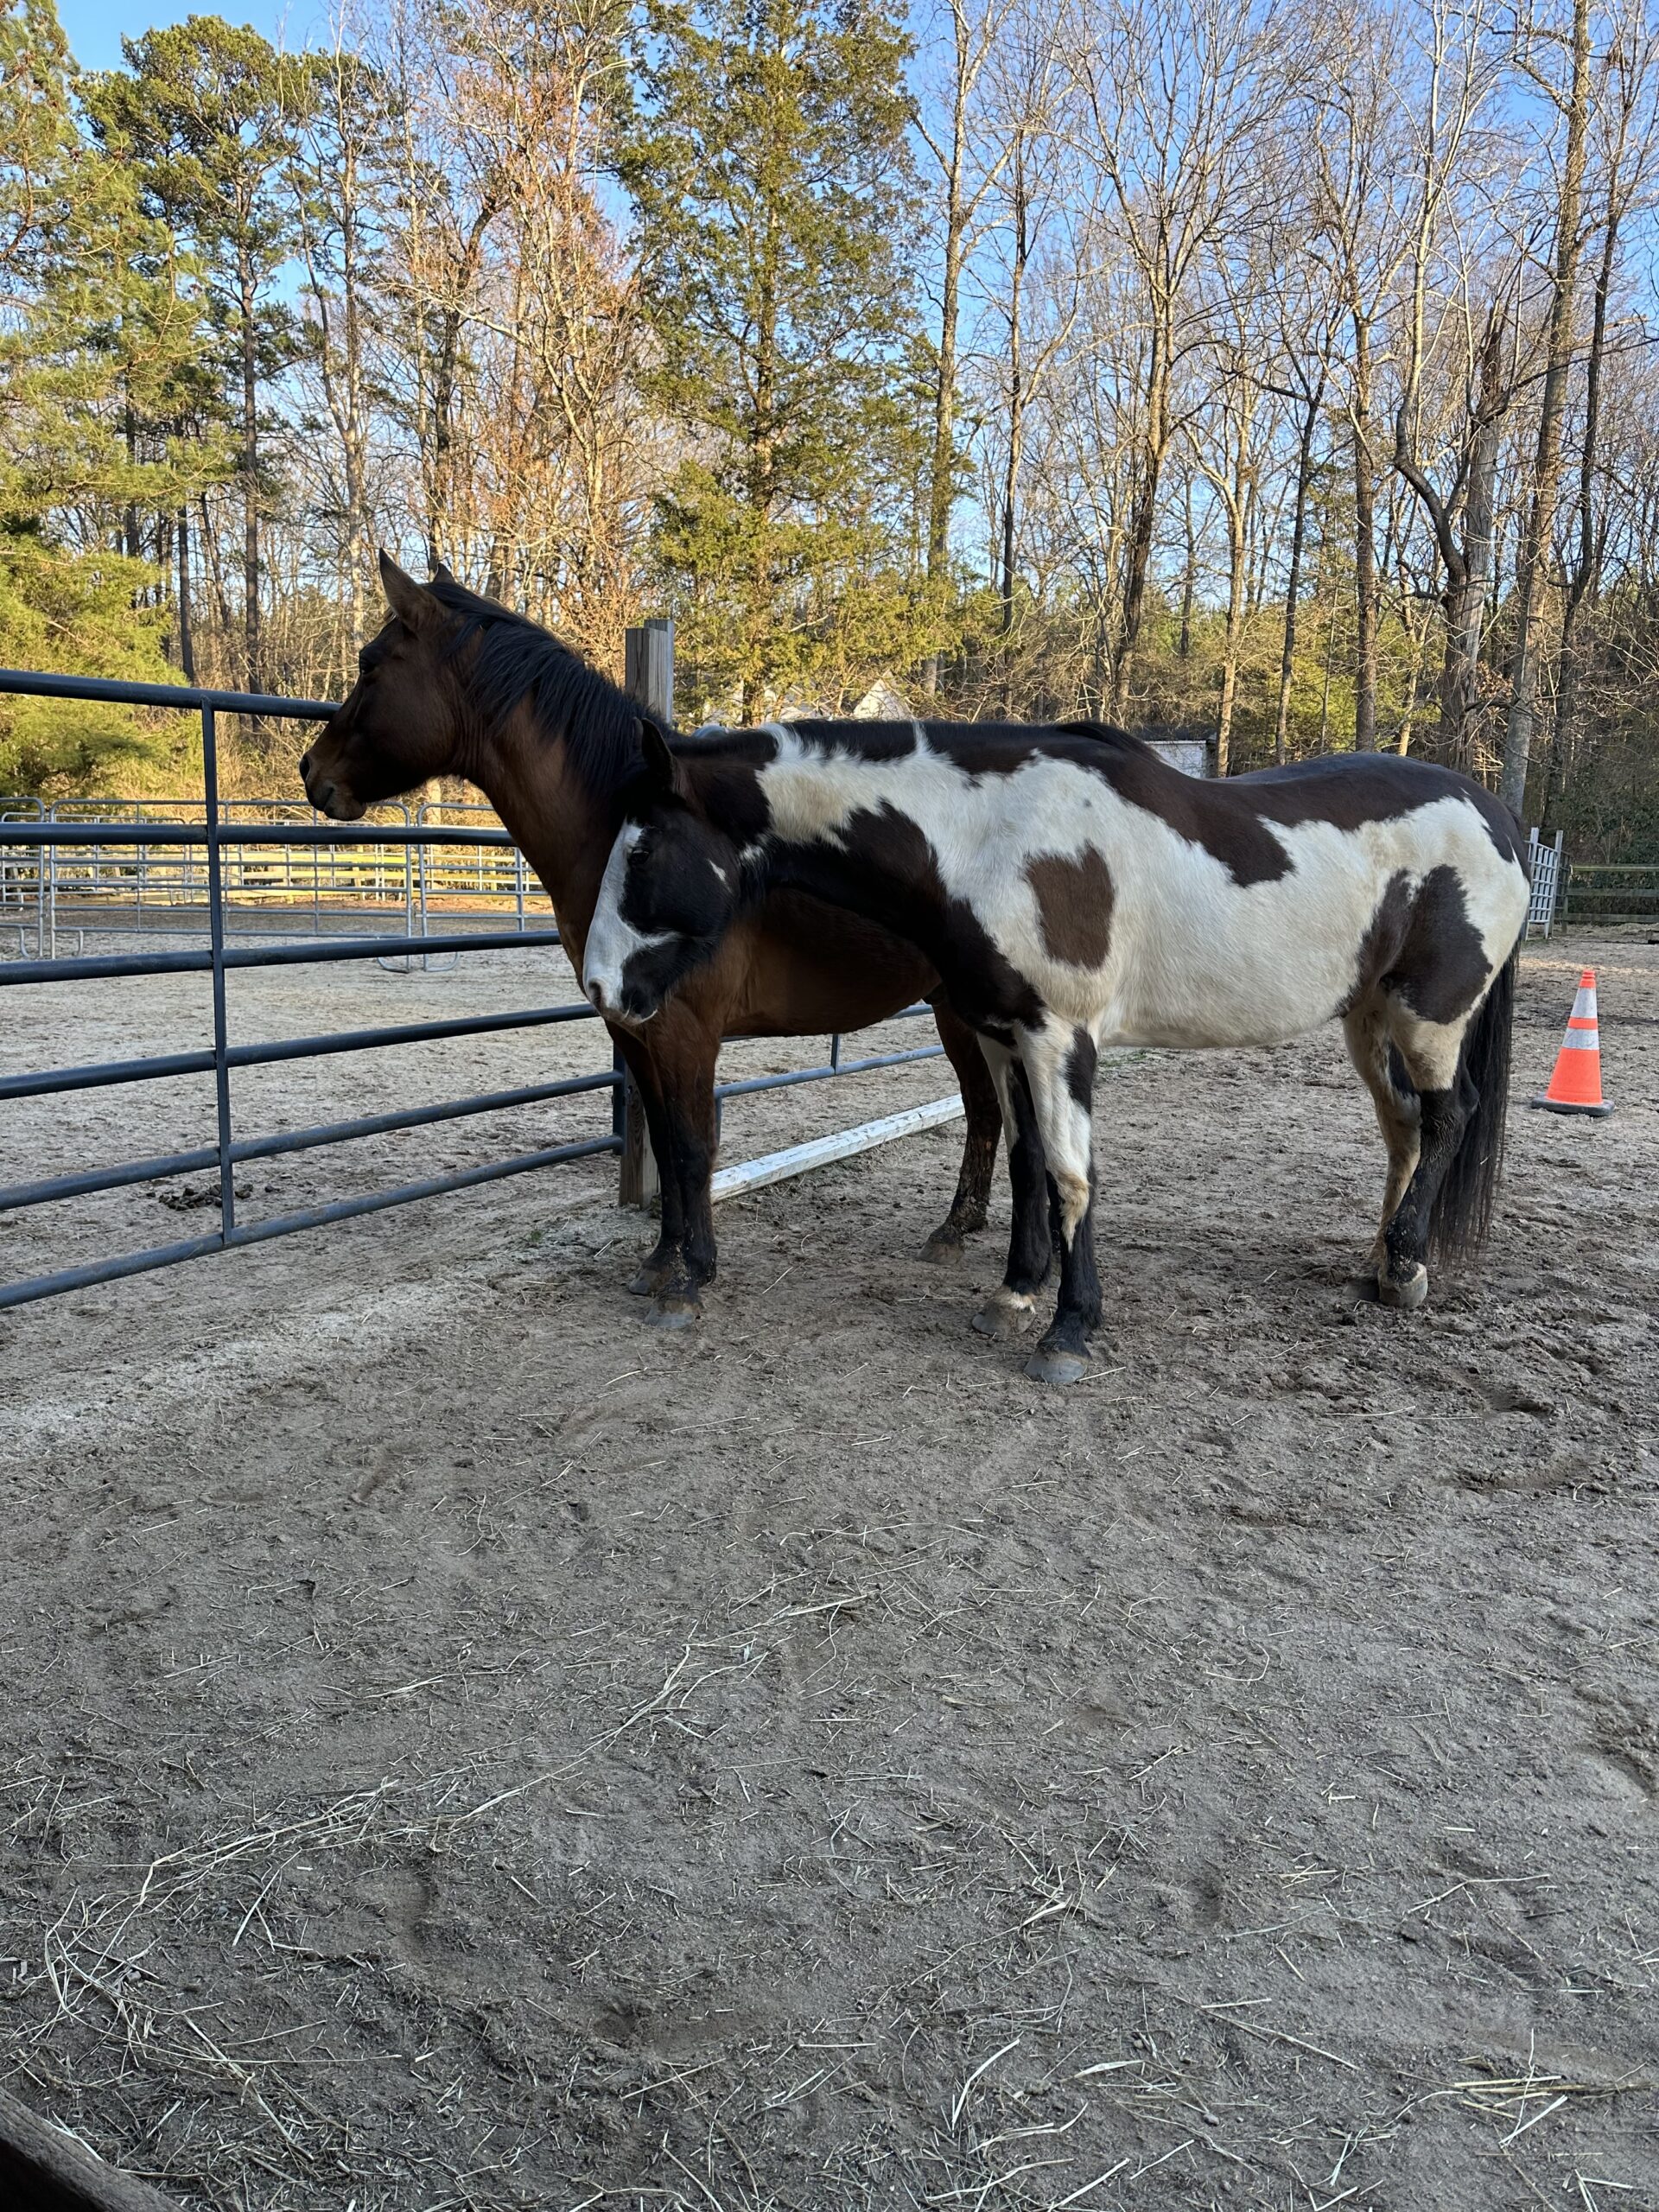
<point x="613" y="941"/>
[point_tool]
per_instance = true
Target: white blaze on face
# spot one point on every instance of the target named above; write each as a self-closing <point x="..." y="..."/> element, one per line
<point x="612" y="940"/>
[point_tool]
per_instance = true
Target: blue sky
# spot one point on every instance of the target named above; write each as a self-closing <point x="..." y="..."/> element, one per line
<point x="96" y="27"/>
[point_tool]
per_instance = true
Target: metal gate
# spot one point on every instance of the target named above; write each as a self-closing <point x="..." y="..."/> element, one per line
<point x="204" y="857"/>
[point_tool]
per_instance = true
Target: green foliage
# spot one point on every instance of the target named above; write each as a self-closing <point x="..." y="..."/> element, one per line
<point x="769" y="169"/>
<point x="74" y="614"/>
<point x="207" y="111"/>
<point x="84" y="322"/>
<point x="205" y="114"/>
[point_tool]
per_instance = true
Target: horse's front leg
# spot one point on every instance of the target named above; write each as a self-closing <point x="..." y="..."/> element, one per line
<point x="980" y="1139"/>
<point x="1059" y="1062"/>
<point x="1011" y="1307"/>
<point x="662" y="1262"/>
<point x="687" y="1069"/>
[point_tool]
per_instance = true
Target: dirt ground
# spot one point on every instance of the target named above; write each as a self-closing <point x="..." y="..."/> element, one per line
<point x="462" y="1749"/>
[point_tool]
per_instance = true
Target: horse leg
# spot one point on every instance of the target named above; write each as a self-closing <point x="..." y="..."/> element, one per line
<point x="688" y="1164"/>
<point x="979" y="1145"/>
<point x="1399" y="1113"/>
<point x="1010" y="1309"/>
<point x="1446" y="1099"/>
<point x="662" y="1262"/>
<point x="1059" y="1062"/>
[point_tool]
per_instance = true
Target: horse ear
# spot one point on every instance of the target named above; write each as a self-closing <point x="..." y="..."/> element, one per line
<point x="411" y="602"/>
<point x="443" y="574"/>
<point x="660" y="763"/>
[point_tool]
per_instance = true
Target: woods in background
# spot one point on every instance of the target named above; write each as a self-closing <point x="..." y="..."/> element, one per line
<point x="1282" y="371"/>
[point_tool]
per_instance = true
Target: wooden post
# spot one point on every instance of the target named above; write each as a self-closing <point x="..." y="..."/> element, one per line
<point x="651" y="681"/>
<point x="43" y="2170"/>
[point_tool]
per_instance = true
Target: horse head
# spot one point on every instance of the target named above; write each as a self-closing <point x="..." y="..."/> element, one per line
<point x="404" y="720"/>
<point x="671" y="888"/>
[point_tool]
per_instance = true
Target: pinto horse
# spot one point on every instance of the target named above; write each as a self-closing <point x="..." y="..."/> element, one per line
<point x="1071" y="890"/>
<point x="455" y="685"/>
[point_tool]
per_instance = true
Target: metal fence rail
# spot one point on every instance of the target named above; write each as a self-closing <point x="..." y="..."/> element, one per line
<point x="151" y="885"/>
<point x="146" y="863"/>
<point x="214" y="837"/>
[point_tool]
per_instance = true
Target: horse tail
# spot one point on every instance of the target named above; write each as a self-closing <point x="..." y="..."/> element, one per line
<point x="1462" y="1213"/>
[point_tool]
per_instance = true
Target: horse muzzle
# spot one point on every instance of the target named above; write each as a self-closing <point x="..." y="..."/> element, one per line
<point x="628" y="1009"/>
<point x="326" y="794"/>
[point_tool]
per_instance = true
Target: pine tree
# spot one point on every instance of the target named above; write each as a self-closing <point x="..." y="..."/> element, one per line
<point x="769" y="169"/>
<point x="85" y="335"/>
<point x="208" y="113"/>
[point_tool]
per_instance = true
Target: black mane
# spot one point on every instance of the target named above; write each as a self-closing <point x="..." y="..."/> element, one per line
<point x="517" y="659"/>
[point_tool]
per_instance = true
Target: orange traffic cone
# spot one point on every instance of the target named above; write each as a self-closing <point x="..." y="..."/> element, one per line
<point x="1575" y="1087"/>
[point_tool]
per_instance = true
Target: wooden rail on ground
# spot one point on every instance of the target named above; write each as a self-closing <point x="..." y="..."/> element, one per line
<point x="43" y="2170"/>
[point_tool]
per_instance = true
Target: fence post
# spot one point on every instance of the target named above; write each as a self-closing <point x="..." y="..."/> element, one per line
<point x="216" y="941"/>
<point x="651" y="681"/>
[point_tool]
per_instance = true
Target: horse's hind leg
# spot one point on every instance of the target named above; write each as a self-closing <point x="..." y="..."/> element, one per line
<point x="1011" y="1307"/>
<point x="1398" y="1111"/>
<point x="984" y="1116"/>
<point x="1431" y="1052"/>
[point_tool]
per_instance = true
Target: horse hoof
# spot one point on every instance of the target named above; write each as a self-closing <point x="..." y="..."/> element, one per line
<point x="1003" y="1317"/>
<point x="1058" y="1368"/>
<point x="944" y="1248"/>
<point x="673" y="1310"/>
<point x="1407" y="1296"/>
<point x="647" y="1283"/>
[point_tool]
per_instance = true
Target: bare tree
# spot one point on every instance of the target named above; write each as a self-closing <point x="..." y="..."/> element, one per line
<point x="1626" y="151"/>
<point x="1360" y="136"/>
<point x="970" y="160"/>
<point x="1456" y="356"/>
<point x="1571" y="99"/>
<point x="1176" y="98"/>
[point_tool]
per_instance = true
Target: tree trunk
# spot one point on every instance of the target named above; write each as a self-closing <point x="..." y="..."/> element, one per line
<point x="1365" y="583"/>
<point x="1229" y="650"/>
<point x="134" y="542"/>
<point x="1583" y="584"/>
<point x="1016" y="414"/>
<point x="216" y="571"/>
<point x="187" y="640"/>
<point x="446" y="378"/>
<point x="1142" y="522"/>
<point x="941" y="487"/>
<point x="1468" y="578"/>
<point x="762" y="468"/>
<point x="1237" y="504"/>
<point x="1294" y="578"/>
<point x="250" y="477"/>
<point x="1532" y="560"/>
<point x="353" y="442"/>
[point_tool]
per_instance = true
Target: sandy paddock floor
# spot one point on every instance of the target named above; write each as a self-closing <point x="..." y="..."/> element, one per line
<point x="462" y="1749"/>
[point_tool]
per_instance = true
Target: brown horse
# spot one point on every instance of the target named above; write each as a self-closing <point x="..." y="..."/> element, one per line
<point x="455" y="685"/>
